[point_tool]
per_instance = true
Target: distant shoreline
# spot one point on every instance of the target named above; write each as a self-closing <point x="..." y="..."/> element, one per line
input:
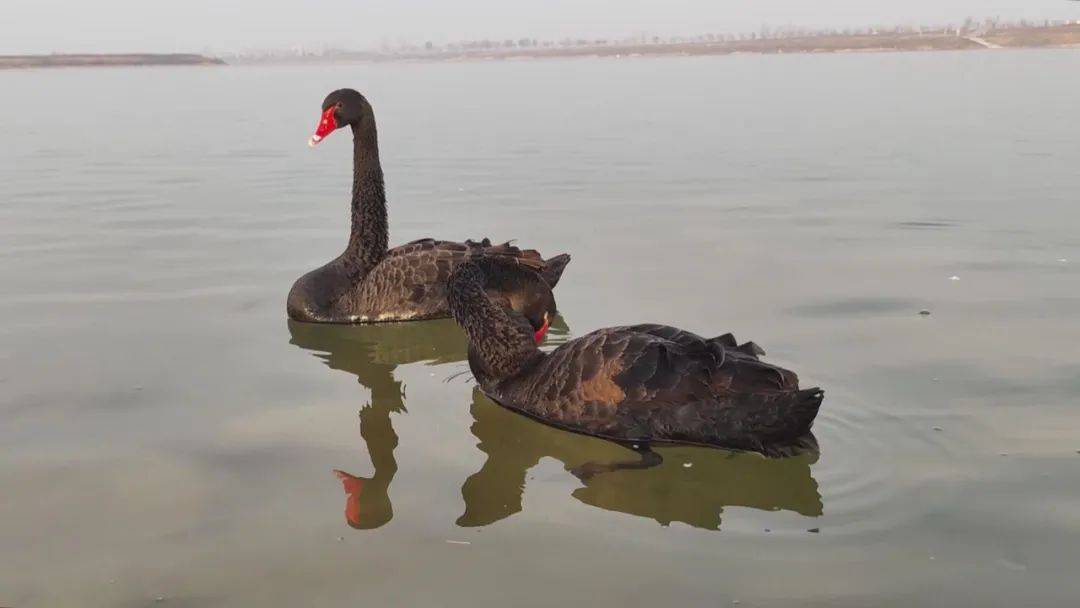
<point x="1057" y="36"/>
<point x="105" y="60"/>
<point x="1062" y="36"/>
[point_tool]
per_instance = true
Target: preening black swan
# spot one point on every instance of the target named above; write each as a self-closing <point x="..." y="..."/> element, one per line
<point x="369" y="283"/>
<point x="640" y="384"/>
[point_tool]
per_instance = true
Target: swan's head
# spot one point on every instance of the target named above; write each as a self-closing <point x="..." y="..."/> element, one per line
<point x="529" y="301"/>
<point x="340" y="108"/>
<point x="536" y="320"/>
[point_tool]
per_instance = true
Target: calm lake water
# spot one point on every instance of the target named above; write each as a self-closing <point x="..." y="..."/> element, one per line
<point x="166" y="433"/>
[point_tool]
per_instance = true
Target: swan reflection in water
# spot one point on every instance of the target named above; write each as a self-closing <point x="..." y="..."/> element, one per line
<point x="689" y="484"/>
<point x="372" y="353"/>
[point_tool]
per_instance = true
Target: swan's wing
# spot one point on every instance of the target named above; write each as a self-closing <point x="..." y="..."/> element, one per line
<point x="667" y="332"/>
<point x="469" y="247"/>
<point x="551" y="269"/>
<point x="642" y="364"/>
<point x="424" y="245"/>
<point x="733" y="367"/>
<point x="693" y="390"/>
<point x="411" y="282"/>
<point x="629" y="383"/>
<point x="609" y="367"/>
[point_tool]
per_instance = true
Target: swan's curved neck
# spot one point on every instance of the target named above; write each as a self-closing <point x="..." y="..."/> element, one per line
<point x="498" y="347"/>
<point x="368" y="239"/>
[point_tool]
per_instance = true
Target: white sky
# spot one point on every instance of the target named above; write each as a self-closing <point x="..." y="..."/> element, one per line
<point x="43" y="26"/>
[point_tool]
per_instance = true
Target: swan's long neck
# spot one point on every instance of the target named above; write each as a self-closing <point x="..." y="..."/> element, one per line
<point x="498" y="347"/>
<point x="369" y="236"/>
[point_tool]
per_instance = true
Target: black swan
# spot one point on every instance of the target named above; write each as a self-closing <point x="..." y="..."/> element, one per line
<point x="369" y="283"/>
<point x="639" y="384"/>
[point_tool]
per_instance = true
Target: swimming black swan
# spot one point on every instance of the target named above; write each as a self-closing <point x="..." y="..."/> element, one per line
<point x="634" y="384"/>
<point x="369" y="283"/>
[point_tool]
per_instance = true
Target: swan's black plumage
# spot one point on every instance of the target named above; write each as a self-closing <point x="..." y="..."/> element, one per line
<point x="370" y="283"/>
<point x="636" y="383"/>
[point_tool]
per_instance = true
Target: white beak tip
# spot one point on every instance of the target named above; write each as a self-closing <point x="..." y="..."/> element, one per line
<point x="314" y="140"/>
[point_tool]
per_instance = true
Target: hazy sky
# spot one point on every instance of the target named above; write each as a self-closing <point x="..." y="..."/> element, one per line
<point x="42" y="26"/>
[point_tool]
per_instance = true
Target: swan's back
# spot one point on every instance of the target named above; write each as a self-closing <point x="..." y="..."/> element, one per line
<point x="656" y="383"/>
<point x="408" y="284"/>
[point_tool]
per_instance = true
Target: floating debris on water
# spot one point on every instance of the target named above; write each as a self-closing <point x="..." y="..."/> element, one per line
<point x="1063" y="260"/>
<point x="458" y="542"/>
<point x="340" y="538"/>
<point x="924" y="312"/>
<point x="1011" y="565"/>
<point x="687" y="465"/>
<point x="954" y="278"/>
<point x="938" y="428"/>
<point x="814" y="530"/>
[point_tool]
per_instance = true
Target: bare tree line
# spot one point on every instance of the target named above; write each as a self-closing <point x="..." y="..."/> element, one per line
<point x="968" y="27"/>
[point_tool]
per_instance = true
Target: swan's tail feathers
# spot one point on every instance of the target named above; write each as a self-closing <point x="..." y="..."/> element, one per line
<point x="551" y="269"/>
<point x="725" y="340"/>
<point x="481" y="244"/>
<point x="752" y="349"/>
<point x="784" y="422"/>
<point x="747" y="348"/>
<point x="804" y="408"/>
<point x="767" y="422"/>
<point x="779" y="418"/>
<point x="554" y="267"/>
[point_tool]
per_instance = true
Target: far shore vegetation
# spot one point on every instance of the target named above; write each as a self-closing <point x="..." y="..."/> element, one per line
<point x="971" y="34"/>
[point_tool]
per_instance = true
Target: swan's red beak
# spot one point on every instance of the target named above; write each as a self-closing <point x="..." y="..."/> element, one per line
<point x="540" y="333"/>
<point x="326" y="125"/>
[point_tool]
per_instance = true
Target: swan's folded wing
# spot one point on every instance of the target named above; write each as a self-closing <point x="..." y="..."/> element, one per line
<point x="667" y="332"/>
<point x="469" y="246"/>
<point x="634" y="383"/>
<point x="550" y="269"/>
<point x="421" y="245"/>
<point x="682" y="393"/>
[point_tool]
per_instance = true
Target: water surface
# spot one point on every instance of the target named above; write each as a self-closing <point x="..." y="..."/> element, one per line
<point x="168" y="434"/>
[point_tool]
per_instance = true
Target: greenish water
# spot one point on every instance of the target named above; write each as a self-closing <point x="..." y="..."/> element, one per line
<point x="166" y="433"/>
